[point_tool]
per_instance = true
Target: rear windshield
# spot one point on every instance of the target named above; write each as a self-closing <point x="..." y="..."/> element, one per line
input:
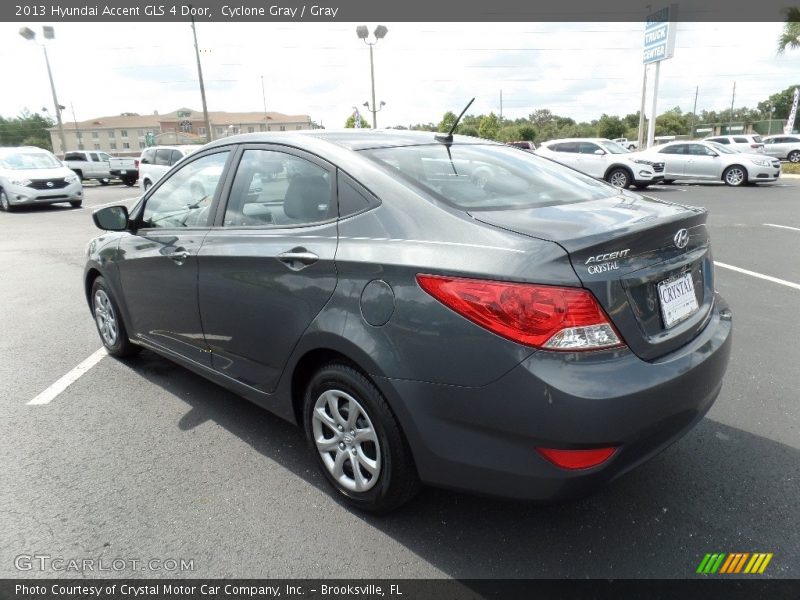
<point x="477" y="177"/>
<point x="29" y="160"/>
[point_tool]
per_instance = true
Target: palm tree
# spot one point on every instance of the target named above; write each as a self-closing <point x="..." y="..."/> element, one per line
<point x="790" y="38"/>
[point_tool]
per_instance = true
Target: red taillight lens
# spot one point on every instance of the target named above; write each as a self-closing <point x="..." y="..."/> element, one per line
<point x="543" y="316"/>
<point x="577" y="459"/>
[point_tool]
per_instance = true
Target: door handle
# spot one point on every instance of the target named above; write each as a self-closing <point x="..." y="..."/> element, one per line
<point x="298" y="258"/>
<point x="179" y="255"/>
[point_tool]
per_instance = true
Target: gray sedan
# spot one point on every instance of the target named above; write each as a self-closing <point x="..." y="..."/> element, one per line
<point x="530" y="333"/>
<point x="715" y="162"/>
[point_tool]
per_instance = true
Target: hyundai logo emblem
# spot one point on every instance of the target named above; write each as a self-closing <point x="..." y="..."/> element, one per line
<point x="681" y="238"/>
<point x="49" y="184"/>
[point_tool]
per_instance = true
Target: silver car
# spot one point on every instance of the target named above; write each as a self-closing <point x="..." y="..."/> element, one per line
<point x="784" y="147"/>
<point x="711" y="161"/>
<point x="30" y="175"/>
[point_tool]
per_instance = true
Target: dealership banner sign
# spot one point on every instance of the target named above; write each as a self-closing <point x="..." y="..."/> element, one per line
<point x="793" y="113"/>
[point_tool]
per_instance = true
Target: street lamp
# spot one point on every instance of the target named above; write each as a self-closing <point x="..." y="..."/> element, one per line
<point x="49" y="34"/>
<point x="362" y="33"/>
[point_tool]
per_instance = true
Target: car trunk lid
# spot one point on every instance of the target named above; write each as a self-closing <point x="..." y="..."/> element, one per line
<point x="641" y="257"/>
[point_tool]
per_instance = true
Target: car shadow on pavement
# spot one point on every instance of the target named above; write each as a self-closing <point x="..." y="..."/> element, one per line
<point x="719" y="489"/>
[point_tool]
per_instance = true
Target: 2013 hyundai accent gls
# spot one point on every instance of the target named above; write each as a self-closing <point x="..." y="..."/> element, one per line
<point x="438" y="310"/>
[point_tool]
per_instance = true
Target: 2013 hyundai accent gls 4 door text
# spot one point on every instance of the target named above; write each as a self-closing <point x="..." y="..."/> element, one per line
<point x="431" y="310"/>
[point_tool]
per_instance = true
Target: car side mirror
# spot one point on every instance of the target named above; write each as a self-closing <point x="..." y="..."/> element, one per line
<point x="144" y="161"/>
<point x="599" y="152"/>
<point x="111" y="218"/>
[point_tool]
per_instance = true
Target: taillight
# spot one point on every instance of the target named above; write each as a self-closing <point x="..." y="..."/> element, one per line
<point x="577" y="459"/>
<point x="542" y="316"/>
<point x="136" y="163"/>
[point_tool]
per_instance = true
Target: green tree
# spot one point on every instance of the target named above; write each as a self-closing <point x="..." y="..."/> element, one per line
<point x="610" y="127"/>
<point x="351" y="122"/>
<point x="447" y="122"/>
<point x="790" y="37"/>
<point x="527" y="133"/>
<point x="26" y="130"/>
<point x="508" y="133"/>
<point x="489" y="126"/>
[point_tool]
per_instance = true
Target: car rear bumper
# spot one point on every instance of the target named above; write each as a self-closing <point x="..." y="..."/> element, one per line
<point x="484" y="439"/>
<point x="125" y="173"/>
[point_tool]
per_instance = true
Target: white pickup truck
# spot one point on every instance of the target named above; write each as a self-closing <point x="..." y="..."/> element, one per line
<point x="102" y="167"/>
<point x="627" y="144"/>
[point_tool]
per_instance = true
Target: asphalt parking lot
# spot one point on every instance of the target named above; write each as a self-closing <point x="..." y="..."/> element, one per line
<point x="144" y="460"/>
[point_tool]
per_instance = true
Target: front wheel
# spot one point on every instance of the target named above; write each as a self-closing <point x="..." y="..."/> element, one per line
<point x="642" y="186"/>
<point x="75" y="203"/>
<point x="735" y="176"/>
<point x="5" y="204"/>
<point x="619" y="178"/>
<point x="358" y="443"/>
<point x="794" y="156"/>
<point x="109" y="321"/>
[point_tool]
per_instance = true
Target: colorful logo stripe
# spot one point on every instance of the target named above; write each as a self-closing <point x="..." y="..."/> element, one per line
<point x="734" y="563"/>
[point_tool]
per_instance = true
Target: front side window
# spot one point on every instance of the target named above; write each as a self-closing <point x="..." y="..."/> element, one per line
<point x="275" y="188"/>
<point x="163" y="156"/>
<point x="488" y="177"/>
<point x="184" y="199"/>
<point x="587" y="148"/>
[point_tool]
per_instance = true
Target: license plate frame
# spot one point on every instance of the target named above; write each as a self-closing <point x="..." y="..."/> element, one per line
<point x="677" y="299"/>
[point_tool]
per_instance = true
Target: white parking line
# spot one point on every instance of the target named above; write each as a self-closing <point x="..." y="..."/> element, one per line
<point x="759" y="275"/>
<point x="781" y="226"/>
<point x="116" y="202"/>
<point x="67" y="380"/>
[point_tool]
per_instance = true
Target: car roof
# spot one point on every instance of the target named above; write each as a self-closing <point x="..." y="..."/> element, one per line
<point x="351" y="139"/>
<point x="13" y="150"/>
<point x="579" y="139"/>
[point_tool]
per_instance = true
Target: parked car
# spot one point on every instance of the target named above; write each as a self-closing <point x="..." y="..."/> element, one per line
<point x="784" y="147"/>
<point x="579" y="322"/>
<point x="626" y="143"/>
<point x="712" y="161"/>
<point x="102" y="166"/>
<point x="30" y="175"/>
<point x="523" y="145"/>
<point x="604" y="159"/>
<point x="741" y="143"/>
<point x="157" y="160"/>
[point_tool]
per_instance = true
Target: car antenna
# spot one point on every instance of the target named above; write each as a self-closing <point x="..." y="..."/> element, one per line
<point x="448" y="139"/>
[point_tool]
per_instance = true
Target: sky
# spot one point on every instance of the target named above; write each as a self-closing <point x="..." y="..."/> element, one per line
<point x="422" y="70"/>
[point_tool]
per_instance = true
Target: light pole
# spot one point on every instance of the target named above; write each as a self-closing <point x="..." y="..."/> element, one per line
<point x="363" y="34"/>
<point x="769" y="124"/>
<point x="49" y="34"/>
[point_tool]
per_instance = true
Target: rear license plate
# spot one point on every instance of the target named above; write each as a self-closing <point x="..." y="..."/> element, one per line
<point x="123" y="172"/>
<point x="678" y="300"/>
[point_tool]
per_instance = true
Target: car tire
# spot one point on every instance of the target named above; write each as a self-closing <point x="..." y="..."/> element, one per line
<point x="76" y="203"/>
<point x="108" y="320"/>
<point x="342" y="406"/>
<point x="5" y="203"/>
<point x="668" y="181"/>
<point x="735" y="175"/>
<point x="619" y="177"/>
<point x="129" y="181"/>
<point x="103" y="181"/>
<point x="79" y="173"/>
<point x="641" y="186"/>
<point x="146" y="185"/>
<point x="794" y="156"/>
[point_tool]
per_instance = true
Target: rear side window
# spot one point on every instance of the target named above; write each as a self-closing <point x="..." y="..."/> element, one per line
<point x="757" y="139"/>
<point x="73" y="156"/>
<point x="487" y="177"/>
<point x="149" y="156"/>
<point x="175" y="157"/>
<point x="278" y="189"/>
<point x="162" y="157"/>
<point x="720" y="140"/>
<point x="740" y="140"/>
<point x="353" y="198"/>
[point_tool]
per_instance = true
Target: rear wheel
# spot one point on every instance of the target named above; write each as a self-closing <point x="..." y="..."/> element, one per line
<point x="103" y="181"/>
<point x="642" y="186"/>
<point x="109" y="323"/>
<point x="668" y="181"/>
<point x="735" y="175"/>
<point x="358" y="443"/>
<point x="5" y="205"/>
<point x="619" y="178"/>
<point x="75" y="203"/>
<point x="794" y="156"/>
<point x="129" y="181"/>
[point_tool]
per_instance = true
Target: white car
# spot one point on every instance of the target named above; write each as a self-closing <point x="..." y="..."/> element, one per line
<point x="784" y="147"/>
<point x="30" y="175"/>
<point x="711" y="161"/>
<point x="604" y="159"/>
<point x="742" y="143"/>
<point x="157" y="160"/>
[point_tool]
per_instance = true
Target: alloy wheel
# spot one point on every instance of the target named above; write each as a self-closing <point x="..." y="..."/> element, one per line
<point x="346" y="440"/>
<point x="619" y="179"/>
<point x="735" y="176"/>
<point x="105" y="318"/>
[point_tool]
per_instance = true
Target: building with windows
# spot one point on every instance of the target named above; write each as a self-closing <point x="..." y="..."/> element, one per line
<point x="129" y="133"/>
